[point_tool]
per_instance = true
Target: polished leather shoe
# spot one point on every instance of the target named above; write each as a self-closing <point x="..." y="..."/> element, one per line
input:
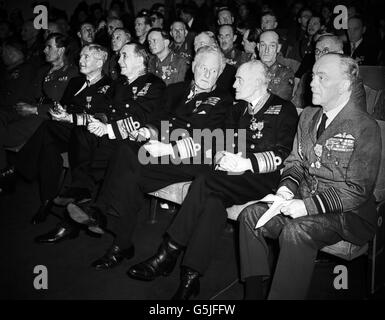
<point x="92" y="217"/>
<point x="42" y="213"/>
<point x="58" y="234"/>
<point x="72" y="195"/>
<point x="113" y="257"/>
<point x="160" y="264"/>
<point x="189" y="285"/>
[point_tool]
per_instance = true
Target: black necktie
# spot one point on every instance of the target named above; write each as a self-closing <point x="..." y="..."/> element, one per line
<point x="321" y="127"/>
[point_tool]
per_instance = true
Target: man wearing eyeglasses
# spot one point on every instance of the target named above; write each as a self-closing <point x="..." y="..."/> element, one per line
<point x="282" y="77"/>
<point x="327" y="43"/>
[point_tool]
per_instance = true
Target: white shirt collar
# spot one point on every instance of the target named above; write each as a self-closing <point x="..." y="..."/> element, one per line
<point x="331" y="114"/>
<point x="190" y="22"/>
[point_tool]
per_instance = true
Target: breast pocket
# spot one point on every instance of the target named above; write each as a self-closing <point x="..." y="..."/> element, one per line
<point x="338" y="163"/>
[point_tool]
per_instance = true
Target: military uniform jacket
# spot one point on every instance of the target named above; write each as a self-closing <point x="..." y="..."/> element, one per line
<point x="171" y="70"/>
<point x="184" y="50"/>
<point x="82" y="100"/>
<point x="336" y="173"/>
<point x="265" y="138"/>
<point x="235" y="57"/>
<point x="133" y="103"/>
<point x="50" y="87"/>
<point x="281" y="81"/>
<point x="186" y="112"/>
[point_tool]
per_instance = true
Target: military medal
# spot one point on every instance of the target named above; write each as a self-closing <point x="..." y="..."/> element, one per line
<point x="318" y="153"/>
<point x="318" y="150"/>
<point x="88" y="99"/>
<point x="197" y="104"/>
<point x="134" y="90"/>
<point x="253" y="124"/>
<point x="257" y="126"/>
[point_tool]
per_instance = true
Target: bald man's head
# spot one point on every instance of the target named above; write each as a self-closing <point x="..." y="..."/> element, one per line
<point x="251" y="81"/>
<point x="268" y="47"/>
<point x="326" y="44"/>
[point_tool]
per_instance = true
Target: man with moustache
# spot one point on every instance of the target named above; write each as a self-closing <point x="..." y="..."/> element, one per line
<point x="227" y="38"/>
<point x="281" y="77"/>
<point x="183" y="40"/>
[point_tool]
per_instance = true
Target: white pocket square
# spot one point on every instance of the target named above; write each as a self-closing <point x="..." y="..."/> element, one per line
<point x="202" y="112"/>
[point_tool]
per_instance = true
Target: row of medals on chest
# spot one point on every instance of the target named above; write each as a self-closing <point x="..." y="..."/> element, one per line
<point x="257" y="126"/>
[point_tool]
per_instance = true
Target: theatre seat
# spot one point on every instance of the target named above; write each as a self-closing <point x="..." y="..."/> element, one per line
<point x="343" y="249"/>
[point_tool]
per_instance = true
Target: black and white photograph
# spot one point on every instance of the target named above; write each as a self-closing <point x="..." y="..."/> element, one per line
<point x="192" y="157"/>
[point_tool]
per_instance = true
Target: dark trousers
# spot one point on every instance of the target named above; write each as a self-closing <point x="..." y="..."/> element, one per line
<point x="89" y="156"/>
<point x="40" y="158"/>
<point x="15" y="130"/>
<point x="126" y="182"/>
<point x="299" y="239"/>
<point x="202" y="218"/>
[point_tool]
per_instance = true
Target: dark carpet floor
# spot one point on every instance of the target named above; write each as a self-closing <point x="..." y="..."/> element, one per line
<point x="71" y="277"/>
<point x="68" y="263"/>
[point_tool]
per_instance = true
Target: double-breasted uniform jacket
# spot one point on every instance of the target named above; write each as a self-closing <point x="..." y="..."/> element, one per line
<point x="171" y="70"/>
<point x="133" y="103"/>
<point x="188" y="111"/>
<point x="267" y="136"/>
<point x="82" y="100"/>
<point x="281" y="80"/>
<point x="337" y="172"/>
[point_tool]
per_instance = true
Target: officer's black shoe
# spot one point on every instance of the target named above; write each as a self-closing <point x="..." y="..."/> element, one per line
<point x="42" y="213"/>
<point x="70" y="195"/>
<point x="162" y="263"/>
<point x="113" y="257"/>
<point x="92" y="217"/>
<point x="58" y="234"/>
<point x="189" y="285"/>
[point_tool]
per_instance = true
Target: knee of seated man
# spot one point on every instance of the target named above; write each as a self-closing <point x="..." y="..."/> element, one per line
<point x="295" y="230"/>
<point x="251" y="214"/>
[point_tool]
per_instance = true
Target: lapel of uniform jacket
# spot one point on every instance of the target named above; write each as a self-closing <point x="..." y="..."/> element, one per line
<point x="335" y="126"/>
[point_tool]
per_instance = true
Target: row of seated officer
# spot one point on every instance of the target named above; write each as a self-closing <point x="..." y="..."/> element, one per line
<point x="333" y="201"/>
